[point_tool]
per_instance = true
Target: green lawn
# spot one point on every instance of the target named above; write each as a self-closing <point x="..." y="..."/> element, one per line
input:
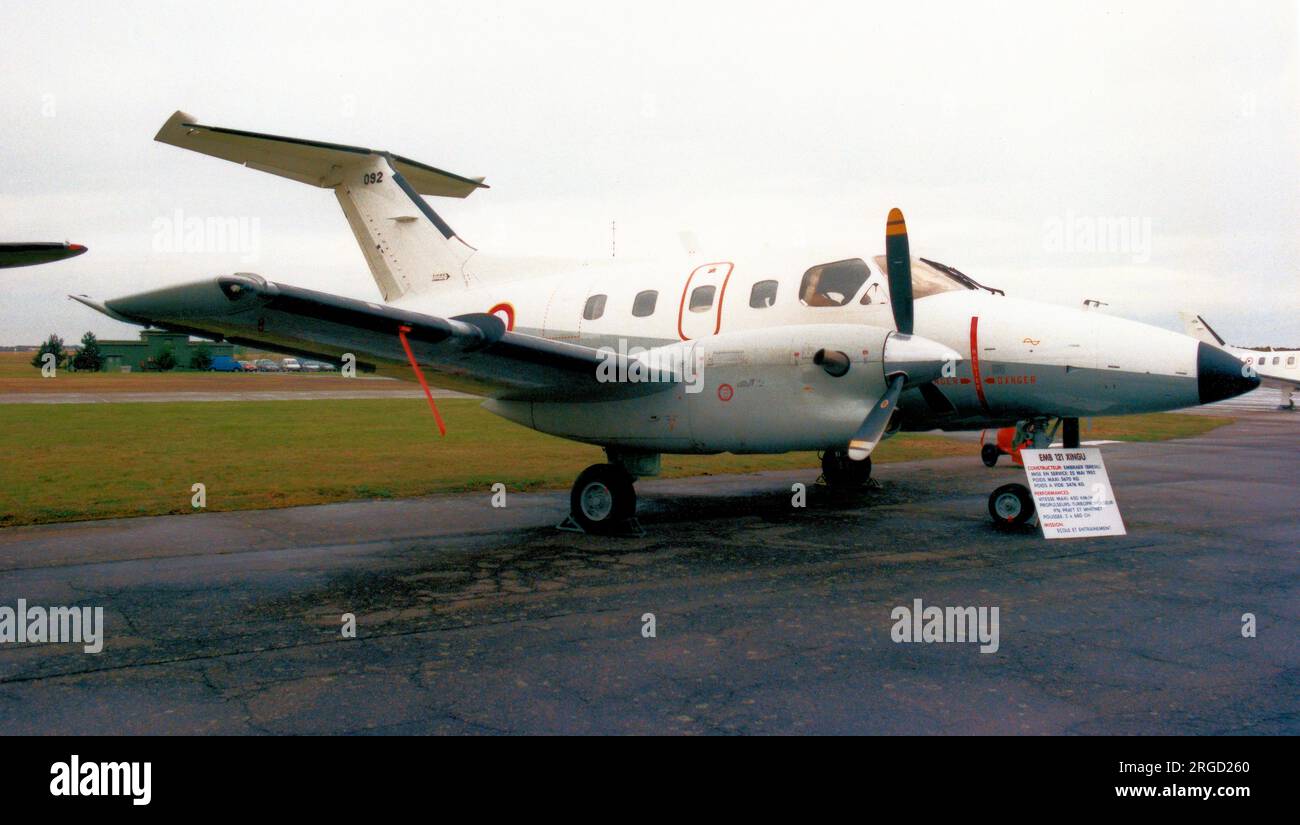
<point x="68" y="462"/>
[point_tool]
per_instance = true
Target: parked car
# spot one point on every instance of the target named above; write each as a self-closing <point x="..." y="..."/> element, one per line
<point x="311" y="366"/>
<point x="290" y="365"/>
<point x="224" y="363"/>
<point x="248" y="366"/>
<point x="267" y="365"/>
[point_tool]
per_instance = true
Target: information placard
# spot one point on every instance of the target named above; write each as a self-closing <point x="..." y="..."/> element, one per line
<point x="1072" y="492"/>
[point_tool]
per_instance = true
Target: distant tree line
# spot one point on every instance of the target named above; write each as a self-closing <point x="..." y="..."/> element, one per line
<point x="89" y="358"/>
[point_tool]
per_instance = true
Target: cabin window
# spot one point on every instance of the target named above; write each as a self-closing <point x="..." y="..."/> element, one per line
<point x="595" y="308"/>
<point x="763" y="294"/>
<point x="1290" y="360"/>
<point x="644" y="303"/>
<point x="834" y="284"/>
<point x="1277" y="359"/>
<point x="702" y="298"/>
<point x="871" y="294"/>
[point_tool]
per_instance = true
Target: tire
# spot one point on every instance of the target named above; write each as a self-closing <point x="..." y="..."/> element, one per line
<point x="602" y="498"/>
<point x="989" y="454"/>
<point x="843" y="473"/>
<point x="1011" y="505"/>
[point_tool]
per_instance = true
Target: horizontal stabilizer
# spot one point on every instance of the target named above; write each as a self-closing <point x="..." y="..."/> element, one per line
<point x="306" y="161"/>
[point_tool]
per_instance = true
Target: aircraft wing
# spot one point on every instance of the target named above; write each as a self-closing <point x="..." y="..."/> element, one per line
<point x="471" y="353"/>
<point x="29" y="254"/>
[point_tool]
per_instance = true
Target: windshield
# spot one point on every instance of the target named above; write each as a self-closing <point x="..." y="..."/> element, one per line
<point x="931" y="277"/>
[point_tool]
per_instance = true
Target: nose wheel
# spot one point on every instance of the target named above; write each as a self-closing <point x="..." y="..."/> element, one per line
<point x="603" y="500"/>
<point x="1011" y="505"/>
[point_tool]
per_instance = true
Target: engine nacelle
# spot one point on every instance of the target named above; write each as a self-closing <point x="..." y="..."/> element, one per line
<point x="754" y="391"/>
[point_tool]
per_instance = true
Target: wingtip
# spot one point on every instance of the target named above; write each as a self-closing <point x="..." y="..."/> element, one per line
<point x="100" y="307"/>
<point x="173" y="125"/>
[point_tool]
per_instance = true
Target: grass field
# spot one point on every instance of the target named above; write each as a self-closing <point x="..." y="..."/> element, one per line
<point x="70" y="462"/>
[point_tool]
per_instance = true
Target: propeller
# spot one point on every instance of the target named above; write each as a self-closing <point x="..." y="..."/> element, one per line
<point x="909" y="360"/>
<point x="898" y="260"/>
<point x="873" y="426"/>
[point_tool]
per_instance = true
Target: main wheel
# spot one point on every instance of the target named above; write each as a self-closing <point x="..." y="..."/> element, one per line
<point x="602" y="497"/>
<point x="1011" y="504"/>
<point x="843" y="473"/>
<point x="989" y="454"/>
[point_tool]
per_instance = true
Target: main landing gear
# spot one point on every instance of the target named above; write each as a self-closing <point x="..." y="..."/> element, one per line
<point x="843" y="473"/>
<point x="603" y="499"/>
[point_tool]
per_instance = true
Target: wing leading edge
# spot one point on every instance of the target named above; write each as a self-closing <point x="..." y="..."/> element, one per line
<point x="471" y="353"/>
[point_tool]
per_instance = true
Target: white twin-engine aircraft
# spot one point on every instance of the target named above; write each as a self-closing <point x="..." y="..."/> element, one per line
<point x="743" y="358"/>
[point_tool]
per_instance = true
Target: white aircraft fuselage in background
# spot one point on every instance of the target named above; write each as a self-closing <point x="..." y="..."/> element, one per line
<point x="1276" y="367"/>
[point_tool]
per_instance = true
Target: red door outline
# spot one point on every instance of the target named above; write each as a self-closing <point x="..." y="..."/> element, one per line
<point x="722" y="293"/>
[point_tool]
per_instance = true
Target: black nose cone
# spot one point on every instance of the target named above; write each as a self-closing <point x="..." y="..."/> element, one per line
<point x="1220" y="376"/>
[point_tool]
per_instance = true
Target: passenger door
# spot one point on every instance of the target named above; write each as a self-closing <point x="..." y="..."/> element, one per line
<point x="700" y="312"/>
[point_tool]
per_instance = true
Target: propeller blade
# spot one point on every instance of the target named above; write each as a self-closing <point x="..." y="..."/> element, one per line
<point x="873" y="426"/>
<point x="898" y="259"/>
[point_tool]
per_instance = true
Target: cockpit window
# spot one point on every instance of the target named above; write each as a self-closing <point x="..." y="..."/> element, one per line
<point x="644" y="303"/>
<point x="834" y="284"/>
<point x="931" y="277"/>
<point x="926" y="279"/>
<point x="763" y="294"/>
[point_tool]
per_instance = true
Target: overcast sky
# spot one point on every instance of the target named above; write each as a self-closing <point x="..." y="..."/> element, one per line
<point x="1018" y="139"/>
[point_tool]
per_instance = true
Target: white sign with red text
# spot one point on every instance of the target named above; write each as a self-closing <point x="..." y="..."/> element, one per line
<point x="1072" y="492"/>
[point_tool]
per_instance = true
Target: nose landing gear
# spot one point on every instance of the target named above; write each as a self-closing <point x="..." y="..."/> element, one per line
<point x="1013" y="504"/>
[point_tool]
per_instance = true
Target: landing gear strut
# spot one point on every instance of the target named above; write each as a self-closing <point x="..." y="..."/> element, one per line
<point x="843" y="473"/>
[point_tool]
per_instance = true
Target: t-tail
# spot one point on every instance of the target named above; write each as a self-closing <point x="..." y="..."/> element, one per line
<point x="408" y="246"/>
